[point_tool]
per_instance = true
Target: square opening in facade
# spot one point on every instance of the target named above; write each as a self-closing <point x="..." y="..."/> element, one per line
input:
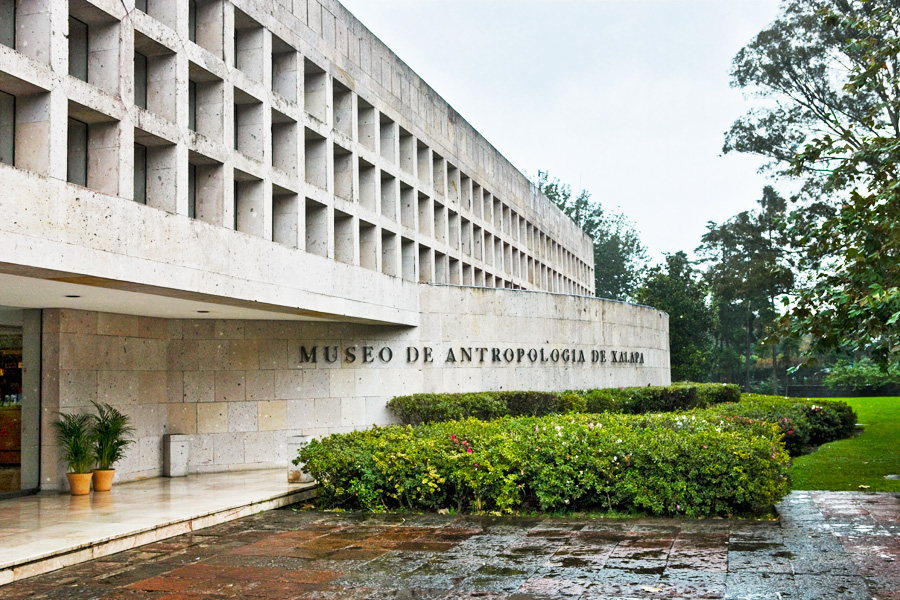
<point x="367" y="184"/>
<point x="407" y="146"/>
<point x="315" y="82"/>
<point x="284" y="69"/>
<point x="342" y="101"/>
<point x="453" y="229"/>
<point x="317" y="226"/>
<point x="248" y="45"/>
<point x="94" y="46"/>
<point x="477" y="206"/>
<point x="367" y="124"/>
<point x="206" y="189"/>
<point x="155" y="80"/>
<point x="453" y="194"/>
<point x="205" y="103"/>
<point x="249" y="204"/>
<point x="316" y="159"/>
<point x="477" y="242"/>
<point x="389" y="196"/>
<point x="465" y="235"/>
<point x="343" y="173"/>
<point x="390" y="253"/>
<point x="284" y="143"/>
<point x="439" y="173"/>
<point x="440" y="222"/>
<point x="454" y="271"/>
<point x="408" y="205"/>
<point x="426" y="264"/>
<point x="248" y="125"/>
<point x="285" y="216"/>
<point x="423" y="166"/>
<point x="465" y="190"/>
<point x="408" y="251"/>
<point x="93" y="150"/>
<point x="164" y="11"/>
<point x="206" y="26"/>
<point x="441" y="268"/>
<point x="155" y="166"/>
<point x="388" y="136"/>
<point x="368" y="245"/>
<point x="344" y="238"/>
<point x="426" y="215"/>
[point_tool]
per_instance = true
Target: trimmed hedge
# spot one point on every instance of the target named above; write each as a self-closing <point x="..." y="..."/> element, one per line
<point x="803" y="423"/>
<point x="673" y="464"/>
<point x="432" y="408"/>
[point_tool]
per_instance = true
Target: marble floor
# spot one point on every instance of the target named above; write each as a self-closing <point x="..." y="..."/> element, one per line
<point x="46" y="532"/>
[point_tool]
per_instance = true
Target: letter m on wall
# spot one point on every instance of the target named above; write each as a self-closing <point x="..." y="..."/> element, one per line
<point x="308" y="356"/>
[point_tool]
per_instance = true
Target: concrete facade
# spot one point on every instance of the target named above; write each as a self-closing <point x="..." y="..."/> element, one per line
<point x="199" y="193"/>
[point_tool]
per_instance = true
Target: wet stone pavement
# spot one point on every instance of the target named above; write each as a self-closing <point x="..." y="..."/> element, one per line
<point x="825" y="546"/>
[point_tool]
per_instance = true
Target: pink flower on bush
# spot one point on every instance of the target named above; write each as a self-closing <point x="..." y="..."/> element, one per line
<point x="469" y="450"/>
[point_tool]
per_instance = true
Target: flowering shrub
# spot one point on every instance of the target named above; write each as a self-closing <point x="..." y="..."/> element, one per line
<point x="677" y="463"/>
<point x="428" y="408"/>
<point x="803" y="422"/>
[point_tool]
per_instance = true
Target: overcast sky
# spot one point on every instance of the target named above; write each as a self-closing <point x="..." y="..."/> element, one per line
<point x="628" y="99"/>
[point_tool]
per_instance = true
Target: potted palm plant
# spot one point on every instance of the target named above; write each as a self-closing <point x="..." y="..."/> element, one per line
<point x="110" y="435"/>
<point x="74" y="434"/>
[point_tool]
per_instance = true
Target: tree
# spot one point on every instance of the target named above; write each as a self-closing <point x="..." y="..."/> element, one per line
<point x="830" y="73"/>
<point x="619" y="255"/>
<point x="676" y="288"/>
<point x="747" y="273"/>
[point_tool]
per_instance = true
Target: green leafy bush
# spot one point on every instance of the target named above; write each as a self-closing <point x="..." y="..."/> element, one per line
<point x="433" y="408"/>
<point x="803" y="422"/>
<point x="861" y="375"/>
<point x="675" y="463"/>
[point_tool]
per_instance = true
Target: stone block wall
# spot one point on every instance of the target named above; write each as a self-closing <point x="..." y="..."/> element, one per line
<point x="240" y="388"/>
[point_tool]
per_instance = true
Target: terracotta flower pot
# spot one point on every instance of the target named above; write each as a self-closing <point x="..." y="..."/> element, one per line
<point x="79" y="483"/>
<point x="103" y="480"/>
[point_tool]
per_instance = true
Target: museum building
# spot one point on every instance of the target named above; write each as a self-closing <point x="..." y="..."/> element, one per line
<point x="243" y="220"/>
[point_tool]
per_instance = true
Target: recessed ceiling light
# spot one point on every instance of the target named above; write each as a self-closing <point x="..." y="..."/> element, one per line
<point x="72" y="296"/>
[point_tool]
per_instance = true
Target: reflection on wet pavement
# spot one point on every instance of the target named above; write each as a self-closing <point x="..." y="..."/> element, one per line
<point x="824" y="546"/>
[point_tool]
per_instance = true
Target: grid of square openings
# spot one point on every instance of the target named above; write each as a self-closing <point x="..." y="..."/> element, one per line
<point x="277" y="146"/>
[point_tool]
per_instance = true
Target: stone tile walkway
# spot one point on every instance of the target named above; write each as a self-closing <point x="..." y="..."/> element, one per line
<point x="825" y="546"/>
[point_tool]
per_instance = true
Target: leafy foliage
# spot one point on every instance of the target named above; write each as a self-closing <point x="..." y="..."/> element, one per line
<point x="862" y="374"/>
<point x="829" y="71"/>
<point x="747" y="272"/>
<point x="110" y="431"/>
<point x="427" y="408"/>
<point x="74" y="435"/>
<point x="803" y="422"/>
<point x="676" y="289"/>
<point x="619" y="255"/>
<point x="662" y="464"/>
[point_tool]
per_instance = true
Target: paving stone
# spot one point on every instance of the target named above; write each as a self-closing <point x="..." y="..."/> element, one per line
<point x="823" y="547"/>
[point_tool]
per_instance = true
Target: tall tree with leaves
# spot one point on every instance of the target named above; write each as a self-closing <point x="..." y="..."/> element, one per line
<point x="677" y="289"/>
<point x="619" y="255"/>
<point x="747" y="272"/>
<point x="830" y="74"/>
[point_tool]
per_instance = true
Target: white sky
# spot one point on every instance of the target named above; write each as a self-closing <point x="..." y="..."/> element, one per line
<point x="628" y="99"/>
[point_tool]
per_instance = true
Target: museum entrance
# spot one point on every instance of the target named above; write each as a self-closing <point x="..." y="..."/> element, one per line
<point x="19" y="400"/>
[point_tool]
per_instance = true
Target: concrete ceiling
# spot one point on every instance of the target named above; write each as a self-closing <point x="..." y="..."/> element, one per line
<point x="31" y="292"/>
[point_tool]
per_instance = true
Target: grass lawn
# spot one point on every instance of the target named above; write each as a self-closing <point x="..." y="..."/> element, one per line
<point x="863" y="460"/>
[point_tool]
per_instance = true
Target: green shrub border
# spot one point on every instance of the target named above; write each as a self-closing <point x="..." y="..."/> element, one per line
<point x="433" y="408"/>
<point x="664" y="464"/>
